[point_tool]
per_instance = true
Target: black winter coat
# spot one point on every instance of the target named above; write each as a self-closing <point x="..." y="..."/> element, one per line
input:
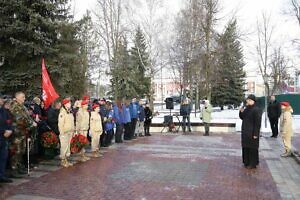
<point x="251" y="126"/>
<point x="274" y="110"/>
<point x="148" y="116"/>
<point x="52" y="120"/>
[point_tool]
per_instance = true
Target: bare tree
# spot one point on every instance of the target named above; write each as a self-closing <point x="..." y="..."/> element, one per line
<point x="296" y="9"/>
<point x="108" y="24"/>
<point x="264" y="33"/>
<point x="279" y="66"/>
<point x="195" y="46"/>
<point x="211" y="8"/>
<point x="153" y="21"/>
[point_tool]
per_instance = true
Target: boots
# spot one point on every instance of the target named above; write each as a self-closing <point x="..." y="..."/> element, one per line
<point x="83" y="158"/>
<point x="286" y="154"/>
<point x="69" y="163"/>
<point x="64" y="163"/>
<point x="95" y="154"/>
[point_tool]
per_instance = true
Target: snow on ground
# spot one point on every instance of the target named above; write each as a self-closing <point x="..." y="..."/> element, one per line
<point x="218" y="116"/>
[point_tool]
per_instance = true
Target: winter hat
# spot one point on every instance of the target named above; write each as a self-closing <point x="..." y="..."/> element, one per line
<point x="95" y="105"/>
<point x="84" y="102"/>
<point x="252" y="97"/>
<point x="285" y="103"/>
<point x="65" y="101"/>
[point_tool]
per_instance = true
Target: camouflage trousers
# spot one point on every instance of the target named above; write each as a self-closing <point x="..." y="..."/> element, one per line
<point x="18" y="149"/>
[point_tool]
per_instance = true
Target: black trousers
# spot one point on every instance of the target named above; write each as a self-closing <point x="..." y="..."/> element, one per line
<point x="127" y="131"/>
<point x="133" y="125"/>
<point x="147" y="127"/>
<point x="274" y="126"/>
<point x="102" y="139"/>
<point x="250" y="157"/>
<point x="119" y="133"/>
<point x="184" y="124"/>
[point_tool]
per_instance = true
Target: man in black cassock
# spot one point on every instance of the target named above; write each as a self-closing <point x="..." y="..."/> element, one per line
<point x="251" y="116"/>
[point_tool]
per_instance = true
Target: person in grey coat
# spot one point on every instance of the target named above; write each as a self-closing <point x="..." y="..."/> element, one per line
<point x="250" y="114"/>
<point x="206" y="116"/>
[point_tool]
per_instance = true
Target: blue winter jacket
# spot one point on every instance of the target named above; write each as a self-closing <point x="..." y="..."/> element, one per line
<point x="134" y="110"/>
<point x="109" y="124"/>
<point x="119" y="115"/>
<point x="141" y="113"/>
<point x="127" y="114"/>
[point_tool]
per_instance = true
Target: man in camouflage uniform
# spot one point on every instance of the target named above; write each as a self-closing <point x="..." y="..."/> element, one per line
<point x="22" y="123"/>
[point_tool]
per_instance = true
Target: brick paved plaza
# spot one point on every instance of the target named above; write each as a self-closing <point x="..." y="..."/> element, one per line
<point x="166" y="167"/>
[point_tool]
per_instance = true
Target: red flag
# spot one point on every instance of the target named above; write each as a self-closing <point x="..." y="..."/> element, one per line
<point x="49" y="93"/>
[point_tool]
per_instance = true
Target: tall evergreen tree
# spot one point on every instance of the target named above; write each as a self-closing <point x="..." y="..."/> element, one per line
<point x="31" y="30"/>
<point x="28" y="32"/>
<point x="228" y="88"/>
<point x="123" y="84"/>
<point x="140" y="63"/>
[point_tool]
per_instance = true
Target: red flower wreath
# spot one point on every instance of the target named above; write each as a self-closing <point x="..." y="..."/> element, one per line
<point x="49" y="140"/>
<point x="78" y="142"/>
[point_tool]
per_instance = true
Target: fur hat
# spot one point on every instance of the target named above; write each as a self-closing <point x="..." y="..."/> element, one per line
<point x="252" y="97"/>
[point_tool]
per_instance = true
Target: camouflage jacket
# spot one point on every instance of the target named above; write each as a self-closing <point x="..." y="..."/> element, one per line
<point x="21" y="119"/>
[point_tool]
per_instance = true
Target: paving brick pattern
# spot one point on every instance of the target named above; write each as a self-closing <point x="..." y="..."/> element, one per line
<point x="158" y="167"/>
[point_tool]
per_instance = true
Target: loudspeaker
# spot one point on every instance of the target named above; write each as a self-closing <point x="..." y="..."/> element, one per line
<point x="168" y="119"/>
<point x="169" y="103"/>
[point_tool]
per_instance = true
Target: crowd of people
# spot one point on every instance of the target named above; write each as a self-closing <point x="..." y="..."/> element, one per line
<point x="102" y="121"/>
<point x="105" y="122"/>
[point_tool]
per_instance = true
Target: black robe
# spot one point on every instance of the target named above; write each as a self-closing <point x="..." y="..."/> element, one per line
<point x="251" y="126"/>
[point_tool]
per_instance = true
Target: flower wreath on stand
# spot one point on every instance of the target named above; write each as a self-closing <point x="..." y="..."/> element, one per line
<point x="49" y="140"/>
<point x="78" y="142"/>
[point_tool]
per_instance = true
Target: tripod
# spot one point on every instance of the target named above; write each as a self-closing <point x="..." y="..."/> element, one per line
<point x="179" y="122"/>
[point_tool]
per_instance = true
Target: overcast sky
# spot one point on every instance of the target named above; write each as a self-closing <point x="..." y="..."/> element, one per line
<point x="247" y="12"/>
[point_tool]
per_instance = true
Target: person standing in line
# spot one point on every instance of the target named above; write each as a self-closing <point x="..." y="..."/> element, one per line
<point x="119" y="118"/>
<point x="82" y="125"/>
<point x="6" y="130"/>
<point x="148" y="120"/>
<point x="251" y="123"/>
<point x="95" y="129"/>
<point x="23" y="124"/>
<point x="52" y="117"/>
<point x="103" y="113"/>
<point x="141" y="119"/>
<point x="134" y="117"/>
<point x="109" y="124"/>
<point x="206" y="116"/>
<point x="66" y="129"/>
<point x="274" y="112"/>
<point x="286" y="127"/>
<point x="127" y="122"/>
